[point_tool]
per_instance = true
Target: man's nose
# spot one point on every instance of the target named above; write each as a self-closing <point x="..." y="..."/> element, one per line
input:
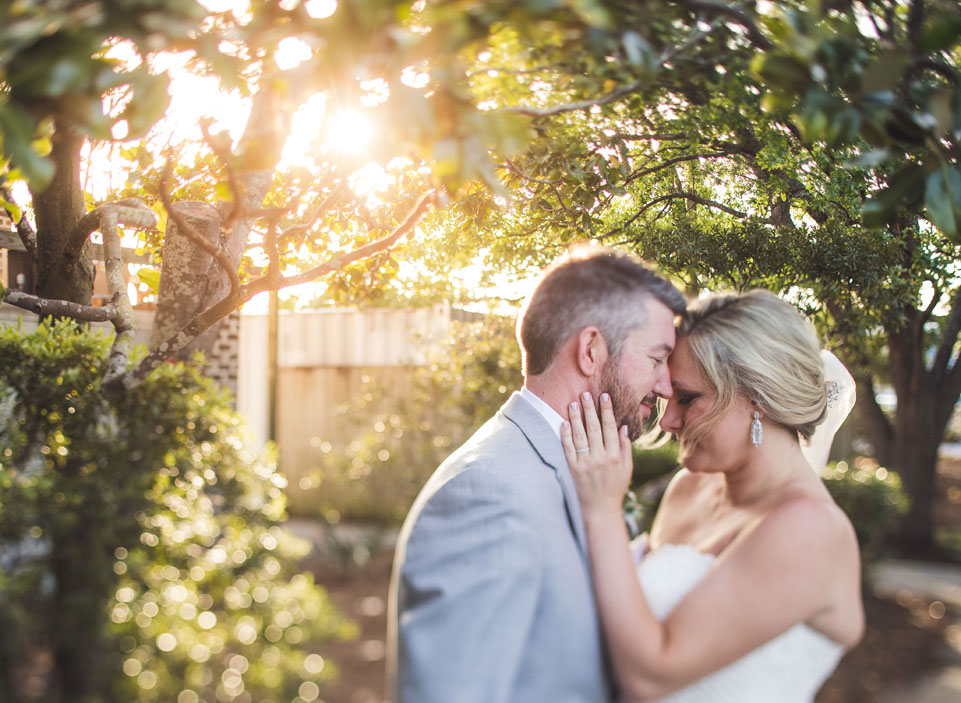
<point x="663" y="386"/>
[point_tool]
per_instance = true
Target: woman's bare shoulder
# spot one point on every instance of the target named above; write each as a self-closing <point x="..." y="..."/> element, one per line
<point x="810" y="523"/>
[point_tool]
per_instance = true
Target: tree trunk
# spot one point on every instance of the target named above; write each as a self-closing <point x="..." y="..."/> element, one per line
<point x="873" y="423"/>
<point x="189" y="276"/>
<point x="62" y="274"/>
<point x="916" y="460"/>
<point x="925" y="402"/>
<point x="261" y="135"/>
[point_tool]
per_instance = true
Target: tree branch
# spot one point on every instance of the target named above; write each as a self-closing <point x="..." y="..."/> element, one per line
<point x="695" y="198"/>
<point x="949" y="337"/>
<point x="665" y="137"/>
<point x="129" y="211"/>
<point x="412" y="218"/>
<point x="236" y="190"/>
<point x="676" y="160"/>
<point x="27" y="235"/>
<point x="876" y="423"/>
<point x="511" y="166"/>
<point x="740" y="16"/>
<point x="314" y="216"/>
<point x="928" y="311"/>
<point x="62" y="308"/>
<point x="574" y="106"/>
<point x="123" y="323"/>
<point x="236" y="298"/>
<point x="132" y="212"/>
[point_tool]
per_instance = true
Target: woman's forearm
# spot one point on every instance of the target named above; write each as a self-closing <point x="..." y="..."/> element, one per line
<point x="635" y="638"/>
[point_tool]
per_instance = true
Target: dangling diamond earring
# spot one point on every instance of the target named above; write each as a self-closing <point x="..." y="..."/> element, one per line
<point x="757" y="430"/>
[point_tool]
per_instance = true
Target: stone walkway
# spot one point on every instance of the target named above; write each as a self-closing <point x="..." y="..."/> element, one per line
<point x="938" y="582"/>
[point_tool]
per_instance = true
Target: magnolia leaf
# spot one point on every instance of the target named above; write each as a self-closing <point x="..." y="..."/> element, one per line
<point x="16" y="126"/>
<point x="224" y="192"/>
<point x="869" y="159"/>
<point x="148" y="104"/>
<point x="904" y="188"/>
<point x="781" y="72"/>
<point x="150" y="278"/>
<point x="12" y="209"/>
<point x="942" y="198"/>
<point x="941" y="32"/>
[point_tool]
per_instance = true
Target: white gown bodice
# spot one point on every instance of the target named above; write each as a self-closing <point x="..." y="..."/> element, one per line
<point x="788" y="669"/>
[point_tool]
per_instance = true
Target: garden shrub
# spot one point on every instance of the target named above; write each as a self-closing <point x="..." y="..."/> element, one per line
<point x="872" y="497"/>
<point x="141" y="543"/>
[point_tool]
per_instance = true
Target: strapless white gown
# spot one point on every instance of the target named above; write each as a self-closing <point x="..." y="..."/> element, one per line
<point x="788" y="669"/>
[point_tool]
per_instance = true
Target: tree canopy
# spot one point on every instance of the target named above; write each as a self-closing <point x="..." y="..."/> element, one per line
<point x="808" y="146"/>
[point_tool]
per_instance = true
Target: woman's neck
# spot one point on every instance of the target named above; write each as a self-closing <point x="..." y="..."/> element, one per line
<point x="768" y="471"/>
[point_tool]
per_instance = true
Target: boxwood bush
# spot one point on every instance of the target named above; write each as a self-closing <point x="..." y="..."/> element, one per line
<point x="141" y="552"/>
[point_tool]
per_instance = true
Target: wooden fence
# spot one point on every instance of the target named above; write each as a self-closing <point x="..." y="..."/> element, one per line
<point x="324" y="358"/>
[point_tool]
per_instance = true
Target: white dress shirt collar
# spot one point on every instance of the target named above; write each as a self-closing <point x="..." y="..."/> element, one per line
<point x="553" y="419"/>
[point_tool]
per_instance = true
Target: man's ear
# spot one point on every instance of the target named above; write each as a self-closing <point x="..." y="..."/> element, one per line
<point x="592" y="351"/>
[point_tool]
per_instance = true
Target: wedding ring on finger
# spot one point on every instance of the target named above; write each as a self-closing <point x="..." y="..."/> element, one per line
<point x="581" y="451"/>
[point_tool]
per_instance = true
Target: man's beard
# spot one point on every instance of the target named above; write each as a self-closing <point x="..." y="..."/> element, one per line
<point x="626" y="401"/>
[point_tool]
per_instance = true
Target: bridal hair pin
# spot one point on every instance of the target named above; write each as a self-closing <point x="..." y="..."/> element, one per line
<point x="833" y="391"/>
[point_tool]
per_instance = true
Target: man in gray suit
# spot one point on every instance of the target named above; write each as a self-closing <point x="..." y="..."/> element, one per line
<point x="491" y="598"/>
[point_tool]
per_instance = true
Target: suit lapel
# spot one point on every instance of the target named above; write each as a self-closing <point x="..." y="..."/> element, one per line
<point x="545" y="442"/>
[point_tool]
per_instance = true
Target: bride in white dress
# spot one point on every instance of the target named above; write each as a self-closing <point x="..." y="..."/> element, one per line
<point x="750" y="589"/>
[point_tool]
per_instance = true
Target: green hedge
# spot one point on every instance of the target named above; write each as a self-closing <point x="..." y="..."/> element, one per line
<point x="872" y="497"/>
<point x="141" y="539"/>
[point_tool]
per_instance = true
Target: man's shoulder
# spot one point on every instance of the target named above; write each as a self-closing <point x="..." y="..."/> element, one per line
<point x="497" y="446"/>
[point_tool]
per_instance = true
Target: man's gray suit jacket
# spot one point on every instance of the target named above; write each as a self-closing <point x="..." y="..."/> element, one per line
<point x="491" y="597"/>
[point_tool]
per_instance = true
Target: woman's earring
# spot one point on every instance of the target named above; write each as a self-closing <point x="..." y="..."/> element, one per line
<point x="757" y="431"/>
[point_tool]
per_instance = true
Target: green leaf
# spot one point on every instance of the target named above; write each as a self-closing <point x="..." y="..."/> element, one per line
<point x="87" y="112"/>
<point x="943" y="31"/>
<point x="148" y="104"/>
<point x="868" y="159"/>
<point x="884" y="73"/>
<point x="16" y="128"/>
<point x="843" y="127"/>
<point x="905" y="188"/>
<point x="150" y="278"/>
<point x="781" y="72"/>
<point x="12" y="209"/>
<point x="592" y="12"/>
<point x="942" y="198"/>
<point x="224" y="192"/>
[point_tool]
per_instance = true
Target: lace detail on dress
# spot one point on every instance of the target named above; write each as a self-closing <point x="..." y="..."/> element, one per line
<point x="788" y="669"/>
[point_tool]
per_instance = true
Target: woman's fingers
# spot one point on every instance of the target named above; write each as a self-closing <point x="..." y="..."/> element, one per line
<point x="627" y="453"/>
<point x="609" y="424"/>
<point x="592" y="424"/>
<point x="567" y="441"/>
<point x="578" y="433"/>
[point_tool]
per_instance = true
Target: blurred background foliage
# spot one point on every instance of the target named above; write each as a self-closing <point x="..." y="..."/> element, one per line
<point x="141" y="542"/>
<point x="395" y="438"/>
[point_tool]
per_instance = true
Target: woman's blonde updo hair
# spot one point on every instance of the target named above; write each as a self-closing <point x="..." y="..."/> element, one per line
<point x="757" y="346"/>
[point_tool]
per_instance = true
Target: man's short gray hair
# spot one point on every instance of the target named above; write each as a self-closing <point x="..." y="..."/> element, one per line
<point x="590" y="286"/>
